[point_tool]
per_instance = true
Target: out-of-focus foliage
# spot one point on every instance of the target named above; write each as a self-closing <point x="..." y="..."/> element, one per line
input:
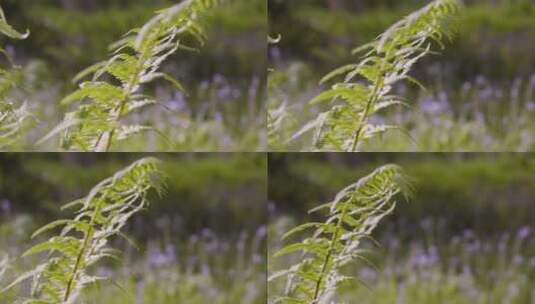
<point x="232" y="195"/>
<point x="489" y="29"/>
<point x="495" y="189"/>
<point x="11" y="117"/>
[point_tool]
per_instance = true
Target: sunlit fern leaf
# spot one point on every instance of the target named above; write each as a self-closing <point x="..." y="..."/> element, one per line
<point x="83" y="240"/>
<point x="277" y="109"/>
<point x="4" y="262"/>
<point x="367" y="85"/>
<point x="135" y="61"/>
<point x="8" y="30"/>
<point x="274" y="123"/>
<point x="11" y="122"/>
<point x="352" y="216"/>
<point x="12" y="117"/>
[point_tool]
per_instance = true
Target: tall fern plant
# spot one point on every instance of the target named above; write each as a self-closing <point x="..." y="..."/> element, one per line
<point x="11" y="116"/>
<point x="336" y="242"/>
<point x="367" y="85"/>
<point x="115" y="88"/>
<point x="83" y="240"/>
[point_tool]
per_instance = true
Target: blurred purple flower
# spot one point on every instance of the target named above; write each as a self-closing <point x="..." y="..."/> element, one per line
<point x="219" y="79"/>
<point x="178" y="103"/>
<point x="5" y="207"/>
<point x="435" y="106"/>
<point x="207" y="233"/>
<point x="161" y="258"/>
<point x="275" y="53"/>
<point x="524" y="233"/>
<point x="261" y="232"/>
<point x="532" y="262"/>
<point x="367" y="274"/>
<point x="486" y="93"/>
<point x="204" y="85"/>
<point x="481" y="80"/>
<point x="467" y="86"/>
<point x="427" y="258"/>
<point x="225" y="92"/>
<point x="468" y="234"/>
<point x="518" y="260"/>
<point x="218" y="117"/>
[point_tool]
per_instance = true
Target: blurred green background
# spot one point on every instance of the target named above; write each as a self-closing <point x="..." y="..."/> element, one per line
<point x="484" y="192"/>
<point x="203" y="240"/>
<point x="466" y="235"/>
<point x="479" y="89"/>
<point x="224" y="81"/>
<point x="494" y="39"/>
<point x="72" y="34"/>
<point x="222" y="191"/>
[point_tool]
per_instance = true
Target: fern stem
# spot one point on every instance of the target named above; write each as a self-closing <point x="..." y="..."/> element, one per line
<point x="373" y="99"/>
<point x="364" y="118"/>
<point x="329" y="255"/>
<point x="103" y="144"/>
<point x="87" y="241"/>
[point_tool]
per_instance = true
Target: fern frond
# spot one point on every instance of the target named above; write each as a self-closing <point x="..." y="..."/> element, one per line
<point x="275" y="123"/>
<point x="368" y="83"/>
<point x="8" y="30"/>
<point x="11" y="117"/>
<point x="83" y="240"/>
<point x="135" y="61"/>
<point x="11" y="122"/>
<point x="353" y="215"/>
<point x="4" y="262"/>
